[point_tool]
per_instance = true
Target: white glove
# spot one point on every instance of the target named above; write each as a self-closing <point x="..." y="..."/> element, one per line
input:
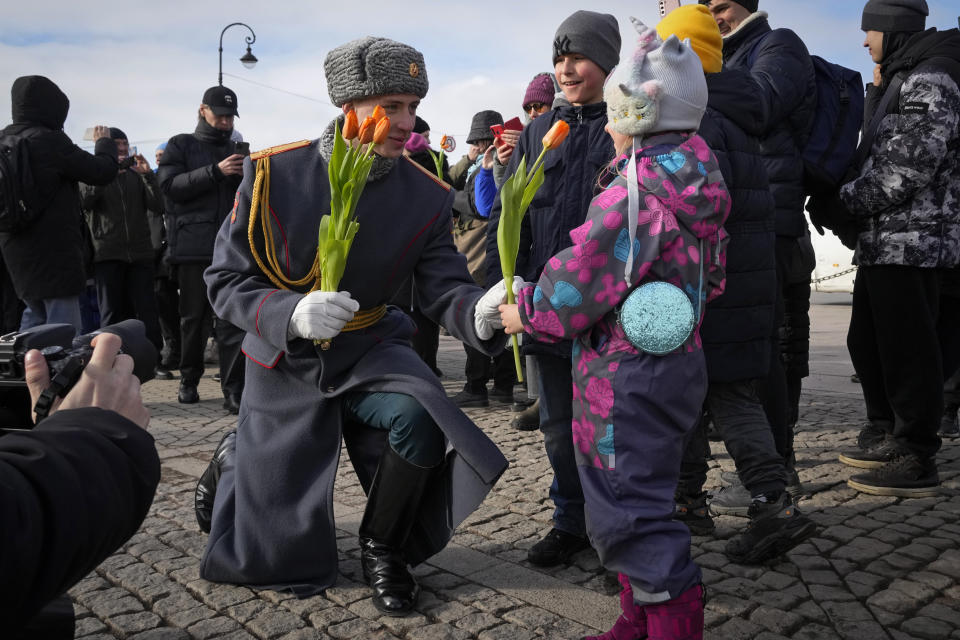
<point x="320" y="315"/>
<point x="486" y="315"/>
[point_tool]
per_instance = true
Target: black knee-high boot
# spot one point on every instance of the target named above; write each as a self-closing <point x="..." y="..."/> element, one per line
<point x="392" y="506"/>
<point x="223" y="459"/>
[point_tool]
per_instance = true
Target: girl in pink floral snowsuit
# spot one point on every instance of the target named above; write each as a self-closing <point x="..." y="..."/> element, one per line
<point x="633" y="410"/>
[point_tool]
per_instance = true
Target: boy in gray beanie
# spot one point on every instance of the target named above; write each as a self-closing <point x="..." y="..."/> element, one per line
<point x="273" y="522"/>
<point x="585" y="49"/>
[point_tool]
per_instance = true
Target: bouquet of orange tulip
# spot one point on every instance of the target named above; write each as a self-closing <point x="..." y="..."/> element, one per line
<point x="350" y="164"/>
<point x="516" y="194"/>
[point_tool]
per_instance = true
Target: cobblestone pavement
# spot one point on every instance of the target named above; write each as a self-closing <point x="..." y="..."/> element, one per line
<point x="879" y="567"/>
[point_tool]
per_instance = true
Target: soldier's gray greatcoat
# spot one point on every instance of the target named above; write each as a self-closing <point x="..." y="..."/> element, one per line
<point x="273" y="516"/>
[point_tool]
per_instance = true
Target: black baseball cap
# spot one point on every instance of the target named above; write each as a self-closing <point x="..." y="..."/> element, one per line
<point x="221" y="100"/>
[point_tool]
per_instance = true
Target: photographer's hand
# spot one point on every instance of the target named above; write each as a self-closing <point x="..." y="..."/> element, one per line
<point x="140" y="165"/>
<point x="107" y="381"/>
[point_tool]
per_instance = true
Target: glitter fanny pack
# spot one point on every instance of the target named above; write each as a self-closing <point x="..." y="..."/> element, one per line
<point x="658" y="317"/>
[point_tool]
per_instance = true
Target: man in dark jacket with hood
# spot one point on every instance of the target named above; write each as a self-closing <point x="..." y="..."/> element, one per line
<point x="738" y="327"/>
<point x="118" y="218"/>
<point x="904" y="201"/>
<point x="784" y="83"/>
<point x="586" y="48"/>
<point x="46" y="259"/>
<point x="199" y="175"/>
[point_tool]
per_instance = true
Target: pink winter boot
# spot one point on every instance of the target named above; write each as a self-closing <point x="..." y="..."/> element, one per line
<point x="677" y="619"/>
<point x="632" y="623"/>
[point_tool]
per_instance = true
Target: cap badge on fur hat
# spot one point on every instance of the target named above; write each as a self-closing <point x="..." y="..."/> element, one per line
<point x="414" y="70"/>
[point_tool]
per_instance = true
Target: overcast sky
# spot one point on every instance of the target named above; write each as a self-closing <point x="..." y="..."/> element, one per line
<point x="143" y="66"/>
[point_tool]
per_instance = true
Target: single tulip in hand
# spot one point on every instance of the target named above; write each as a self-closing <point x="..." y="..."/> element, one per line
<point x="516" y="194"/>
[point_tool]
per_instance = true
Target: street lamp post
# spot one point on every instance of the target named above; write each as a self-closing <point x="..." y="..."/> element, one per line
<point x="248" y="58"/>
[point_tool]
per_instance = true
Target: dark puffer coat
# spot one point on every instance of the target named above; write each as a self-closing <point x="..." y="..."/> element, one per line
<point x="46" y="260"/>
<point x="118" y="216"/>
<point x="785" y="85"/>
<point x="738" y="327"/>
<point x="198" y="195"/>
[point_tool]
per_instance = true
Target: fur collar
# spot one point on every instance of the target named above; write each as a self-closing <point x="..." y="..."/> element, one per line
<point x="753" y="17"/>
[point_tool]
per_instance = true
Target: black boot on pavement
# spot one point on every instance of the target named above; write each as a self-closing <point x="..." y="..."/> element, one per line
<point x="557" y="547"/>
<point x="776" y="526"/>
<point x="949" y="427"/>
<point x="693" y="512"/>
<point x="392" y="507"/>
<point x="469" y="398"/>
<point x="503" y="396"/>
<point x="529" y="418"/>
<point x="906" y="476"/>
<point x="231" y="403"/>
<point x="187" y="393"/>
<point x="222" y="460"/>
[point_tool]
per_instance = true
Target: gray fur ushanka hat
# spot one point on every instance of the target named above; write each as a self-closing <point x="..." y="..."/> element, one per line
<point x="374" y="67"/>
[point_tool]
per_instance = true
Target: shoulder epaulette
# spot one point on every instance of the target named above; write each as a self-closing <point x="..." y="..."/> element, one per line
<point x="280" y="148"/>
<point x="428" y="173"/>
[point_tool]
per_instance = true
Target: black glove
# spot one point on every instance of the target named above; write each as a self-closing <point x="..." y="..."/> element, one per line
<point x="827" y="211"/>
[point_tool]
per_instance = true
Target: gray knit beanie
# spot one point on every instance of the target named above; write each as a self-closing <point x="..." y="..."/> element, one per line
<point x="374" y="67"/>
<point x="595" y="35"/>
<point x="894" y="15"/>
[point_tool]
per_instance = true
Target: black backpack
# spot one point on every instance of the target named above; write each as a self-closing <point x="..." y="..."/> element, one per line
<point x="17" y="208"/>
<point x="832" y="145"/>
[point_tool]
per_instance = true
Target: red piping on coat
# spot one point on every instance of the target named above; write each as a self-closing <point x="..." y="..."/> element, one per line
<point x="256" y="319"/>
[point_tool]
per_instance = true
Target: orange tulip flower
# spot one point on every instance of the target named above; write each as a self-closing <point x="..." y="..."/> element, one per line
<point x="350" y="126"/>
<point x="378" y="113"/>
<point x="366" y="129"/>
<point x="382" y="130"/>
<point x="557" y="134"/>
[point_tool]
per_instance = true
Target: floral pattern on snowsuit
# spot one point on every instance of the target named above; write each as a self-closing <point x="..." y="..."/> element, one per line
<point x="683" y="204"/>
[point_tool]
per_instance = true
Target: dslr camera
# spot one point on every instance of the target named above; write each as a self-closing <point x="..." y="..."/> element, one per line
<point x="67" y="355"/>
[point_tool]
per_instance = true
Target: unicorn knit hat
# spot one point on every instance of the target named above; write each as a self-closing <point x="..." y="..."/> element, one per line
<point x="660" y="87"/>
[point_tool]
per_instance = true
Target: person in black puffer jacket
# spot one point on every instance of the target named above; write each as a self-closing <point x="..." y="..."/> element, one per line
<point x="738" y="329"/>
<point x="199" y="175"/>
<point x="784" y="82"/>
<point x="46" y="260"/>
<point x="118" y="216"/>
<point x="586" y="48"/>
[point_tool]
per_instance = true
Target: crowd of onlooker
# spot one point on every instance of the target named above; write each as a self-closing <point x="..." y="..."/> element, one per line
<point x="707" y="123"/>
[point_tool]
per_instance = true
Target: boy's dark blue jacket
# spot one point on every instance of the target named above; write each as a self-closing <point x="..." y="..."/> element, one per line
<point x="570" y="175"/>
